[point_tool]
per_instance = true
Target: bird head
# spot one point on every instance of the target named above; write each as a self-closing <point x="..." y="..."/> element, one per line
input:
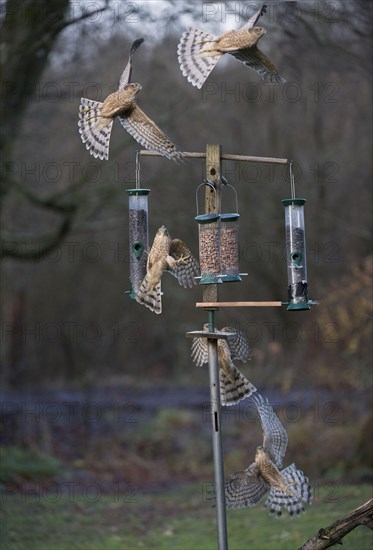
<point x="163" y="231"/>
<point x="259" y="31"/>
<point x="259" y="452"/>
<point x="134" y="86"/>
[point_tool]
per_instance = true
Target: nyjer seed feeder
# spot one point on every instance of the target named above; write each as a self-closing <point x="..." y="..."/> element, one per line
<point x="296" y="254"/>
<point x="138" y="236"/>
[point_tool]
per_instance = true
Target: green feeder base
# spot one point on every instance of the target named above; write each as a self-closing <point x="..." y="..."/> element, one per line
<point x="210" y="280"/>
<point x="231" y="278"/>
<point x="299" y="306"/>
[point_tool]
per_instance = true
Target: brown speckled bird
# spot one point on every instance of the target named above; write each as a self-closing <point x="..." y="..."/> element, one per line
<point x="234" y="386"/>
<point x="96" y="119"/>
<point x="170" y="255"/>
<point x="199" y="51"/>
<point x="288" y="488"/>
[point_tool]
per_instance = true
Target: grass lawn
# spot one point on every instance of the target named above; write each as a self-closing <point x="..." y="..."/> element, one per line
<point x="177" y="519"/>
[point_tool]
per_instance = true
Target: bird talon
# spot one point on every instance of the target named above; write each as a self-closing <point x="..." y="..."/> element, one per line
<point x="183" y="259"/>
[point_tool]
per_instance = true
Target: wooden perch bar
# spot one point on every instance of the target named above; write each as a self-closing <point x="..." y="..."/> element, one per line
<point x="238" y="304"/>
<point x="242" y="158"/>
<point x="245" y="158"/>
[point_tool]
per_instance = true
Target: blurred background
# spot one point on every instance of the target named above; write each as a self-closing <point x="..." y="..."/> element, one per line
<point x="70" y="333"/>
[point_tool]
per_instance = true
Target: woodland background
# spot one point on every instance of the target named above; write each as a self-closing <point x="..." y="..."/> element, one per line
<point x="64" y="214"/>
<point x="67" y="323"/>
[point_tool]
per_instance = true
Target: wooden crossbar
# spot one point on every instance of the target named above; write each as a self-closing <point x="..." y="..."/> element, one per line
<point x="242" y="158"/>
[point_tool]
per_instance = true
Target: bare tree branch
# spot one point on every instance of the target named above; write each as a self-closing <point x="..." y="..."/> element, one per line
<point x="329" y="536"/>
<point x="24" y="248"/>
<point x="63" y="24"/>
<point x="52" y="202"/>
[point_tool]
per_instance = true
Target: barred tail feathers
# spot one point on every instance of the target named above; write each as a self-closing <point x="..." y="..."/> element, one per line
<point x="235" y="388"/>
<point x="195" y="64"/>
<point x="301" y="493"/>
<point x="150" y="298"/>
<point x="94" y="130"/>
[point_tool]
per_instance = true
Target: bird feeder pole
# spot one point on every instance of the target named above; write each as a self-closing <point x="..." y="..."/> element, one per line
<point x="210" y="294"/>
<point x="213" y="193"/>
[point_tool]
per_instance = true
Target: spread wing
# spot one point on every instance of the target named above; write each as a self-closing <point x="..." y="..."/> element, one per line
<point x="275" y="438"/>
<point x="200" y="349"/>
<point x="127" y="73"/>
<point x="245" y="488"/>
<point x="238" y="344"/>
<point x="257" y="60"/>
<point x="187" y="267"/>
<point x="146" y="132"/>
<point x="254" y="19"/>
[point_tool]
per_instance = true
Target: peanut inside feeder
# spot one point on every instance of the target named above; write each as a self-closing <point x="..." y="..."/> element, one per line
<point x="209" y="248"/>
<point x="229" y="247"/>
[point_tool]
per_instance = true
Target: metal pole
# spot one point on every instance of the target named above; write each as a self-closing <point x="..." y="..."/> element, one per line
<point x="217" y="444"/>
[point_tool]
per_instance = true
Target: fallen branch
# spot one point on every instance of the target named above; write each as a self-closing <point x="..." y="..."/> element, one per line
<point x="334" y="533"/>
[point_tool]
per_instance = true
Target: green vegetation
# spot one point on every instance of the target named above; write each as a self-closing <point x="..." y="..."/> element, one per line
<point x="16" y="463"/>
<point x="177" y="519"/>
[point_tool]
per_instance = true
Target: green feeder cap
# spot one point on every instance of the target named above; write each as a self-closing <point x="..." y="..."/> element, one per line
<point x="134" y="192"/>
<point x="232" y="217"/>
<point x="293" y="202"/>
<point x="207" y="218"/>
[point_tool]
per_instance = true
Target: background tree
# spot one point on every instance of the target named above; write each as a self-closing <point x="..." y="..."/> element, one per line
<point x="65" y="213"/>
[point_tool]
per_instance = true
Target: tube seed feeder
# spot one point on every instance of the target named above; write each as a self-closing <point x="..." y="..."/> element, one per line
<point x="209" y="253"/>
<point x="229" y="248"/>
<point x="138" y="236"/>
<point x="229" y="245"/>
<point x="296" y="254"/>
<point x="209" y="242"/>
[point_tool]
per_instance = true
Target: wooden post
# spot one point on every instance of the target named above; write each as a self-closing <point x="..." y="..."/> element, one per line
<point x="212" y="202"/>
